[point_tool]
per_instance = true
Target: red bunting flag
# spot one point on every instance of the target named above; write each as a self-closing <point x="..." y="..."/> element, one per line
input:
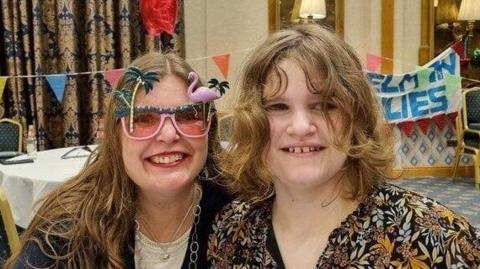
<point x="373" y="62"/>
<point x="406" y="127"/>
<point x="112" y="76"/>
<point x="423" y="124"/>
<point x="222" y="63"/>
<point x="453" y="117"/>
<point x="439" y="120"/>
<point x="459" y="48"/>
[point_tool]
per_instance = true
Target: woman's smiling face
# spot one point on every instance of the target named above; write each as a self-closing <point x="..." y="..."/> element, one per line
<point x="168" y="162"/>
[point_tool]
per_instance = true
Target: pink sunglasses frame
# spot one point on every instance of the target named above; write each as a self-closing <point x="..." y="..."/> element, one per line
<point x="163" y="116"/>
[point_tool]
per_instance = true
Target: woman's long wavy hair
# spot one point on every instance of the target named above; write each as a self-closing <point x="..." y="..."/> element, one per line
<point x="89" y="217"/>
<point x="333" y="71"/>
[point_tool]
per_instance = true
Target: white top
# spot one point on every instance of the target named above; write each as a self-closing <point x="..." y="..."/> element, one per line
<point x="153" y="255"/>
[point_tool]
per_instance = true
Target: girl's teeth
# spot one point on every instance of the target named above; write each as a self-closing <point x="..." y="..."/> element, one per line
<point x="302" y="149"/>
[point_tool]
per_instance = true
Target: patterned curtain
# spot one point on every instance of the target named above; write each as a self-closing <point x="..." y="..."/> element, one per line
<point x="70" y="37"/>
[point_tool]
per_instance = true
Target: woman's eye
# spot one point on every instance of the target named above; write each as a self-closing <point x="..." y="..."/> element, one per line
<point x="276" y="107"/>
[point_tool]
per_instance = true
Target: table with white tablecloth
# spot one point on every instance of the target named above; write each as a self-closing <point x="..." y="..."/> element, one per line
<point x="25" y="184"/>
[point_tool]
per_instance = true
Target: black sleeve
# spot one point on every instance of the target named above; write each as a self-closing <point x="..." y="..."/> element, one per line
<point x="33" y="256"/>
<point x="214" y="198"/>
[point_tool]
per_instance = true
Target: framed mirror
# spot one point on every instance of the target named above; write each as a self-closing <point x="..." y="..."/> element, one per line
<point x="285" y="13"/>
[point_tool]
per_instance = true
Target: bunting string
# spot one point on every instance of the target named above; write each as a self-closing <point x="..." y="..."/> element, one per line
<point x="105" y="71"/>
<point x="57" y="81"/>
<point x="414" y="65"/>
<point x="205" y="58"/>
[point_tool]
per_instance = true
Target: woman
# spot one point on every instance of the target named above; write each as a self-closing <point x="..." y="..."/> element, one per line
<point x="312" y="192"/>
<point x="139" y="203"/>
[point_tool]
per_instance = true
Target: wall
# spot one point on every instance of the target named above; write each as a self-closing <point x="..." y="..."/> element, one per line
<point x="362" y="26"/>
<point x="214" y="27"/>
<point x="363" y="30"/>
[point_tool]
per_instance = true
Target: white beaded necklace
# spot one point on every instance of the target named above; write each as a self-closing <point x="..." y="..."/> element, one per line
<point x="150" y="253"/>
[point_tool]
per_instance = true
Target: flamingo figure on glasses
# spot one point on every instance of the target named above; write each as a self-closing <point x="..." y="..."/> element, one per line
<point x="200" y="94"/>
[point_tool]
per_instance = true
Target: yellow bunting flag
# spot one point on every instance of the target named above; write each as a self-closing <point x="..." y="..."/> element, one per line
<point x="3" y="81"/>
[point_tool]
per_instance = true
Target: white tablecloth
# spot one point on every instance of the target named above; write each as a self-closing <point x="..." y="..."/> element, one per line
<point x="24" y="184"/>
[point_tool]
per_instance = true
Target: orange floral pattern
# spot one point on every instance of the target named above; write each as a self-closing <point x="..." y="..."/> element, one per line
<point x="392" y="228"/>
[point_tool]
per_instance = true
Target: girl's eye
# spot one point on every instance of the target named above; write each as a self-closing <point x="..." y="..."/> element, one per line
<point x="328" y="106"/>
<point x="276" y="107"/>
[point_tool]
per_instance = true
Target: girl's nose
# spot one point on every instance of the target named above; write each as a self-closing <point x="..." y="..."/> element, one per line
<point x="301" y="124"/>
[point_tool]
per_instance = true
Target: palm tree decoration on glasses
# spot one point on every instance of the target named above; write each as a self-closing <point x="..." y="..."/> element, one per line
<point x="134" y="76"/>
<point x="220" y="86"/>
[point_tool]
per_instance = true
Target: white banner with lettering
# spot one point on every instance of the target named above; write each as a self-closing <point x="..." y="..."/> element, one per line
<point x="431" y="90"/>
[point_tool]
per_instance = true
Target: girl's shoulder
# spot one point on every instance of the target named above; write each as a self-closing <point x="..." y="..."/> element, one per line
<point x="239" y="214"/>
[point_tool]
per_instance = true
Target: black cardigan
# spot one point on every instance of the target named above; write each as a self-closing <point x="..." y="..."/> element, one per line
<point x="213" y="199"/>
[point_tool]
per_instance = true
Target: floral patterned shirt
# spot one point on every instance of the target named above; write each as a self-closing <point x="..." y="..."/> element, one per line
<point x="391" y="228"/>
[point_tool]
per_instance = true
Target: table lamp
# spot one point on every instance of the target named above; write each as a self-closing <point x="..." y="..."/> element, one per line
<point x="313" y="10"/>
<point x="470" y="12"/>
<point x="447" y="13"/>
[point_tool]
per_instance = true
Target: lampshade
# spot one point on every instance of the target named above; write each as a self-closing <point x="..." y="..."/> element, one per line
<point x="314" y="8"/>
<point x="447" y="11"/>
<point x="469" y="10"/>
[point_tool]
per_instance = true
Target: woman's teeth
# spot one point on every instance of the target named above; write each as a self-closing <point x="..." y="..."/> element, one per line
<point x="166" y="159"/>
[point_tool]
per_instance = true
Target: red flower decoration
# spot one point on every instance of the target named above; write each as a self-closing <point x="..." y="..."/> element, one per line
<point x="158" y="16"/>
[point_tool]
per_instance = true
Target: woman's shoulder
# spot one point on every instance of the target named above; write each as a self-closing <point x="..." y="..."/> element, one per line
<point x="40" y="252"/>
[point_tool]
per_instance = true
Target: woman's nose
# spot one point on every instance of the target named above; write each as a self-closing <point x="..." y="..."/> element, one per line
<point x="301" y="124"/>
<point x="167" y="133"/>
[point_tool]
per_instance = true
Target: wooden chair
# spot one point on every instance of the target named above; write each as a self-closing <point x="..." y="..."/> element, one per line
<point x="9" y="240"/>
<point x="468" y="131"/>
<point x="11" y="133"/>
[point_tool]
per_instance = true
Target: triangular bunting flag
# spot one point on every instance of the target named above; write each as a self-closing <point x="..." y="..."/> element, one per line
<point x="452" y="83"/>
<point x="57" y="83"/>
<point x="112" y="76"/>
<point x="373" y="62"/>
<point x="222" y="63"/>
<point x="424" y="77"/>
<point x="439" y="121"/>
<point x="453" y="117"/>
<point x="459" y="48"/>
<point x="423" y="124"/>
<point x="3" y="81"/>
<point x="406" y="127"/>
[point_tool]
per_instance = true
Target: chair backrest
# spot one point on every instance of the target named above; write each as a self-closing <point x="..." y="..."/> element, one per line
<point x="11" y="133"/>
<point x="471" y="107"/>
<point x="9" y="241"/>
